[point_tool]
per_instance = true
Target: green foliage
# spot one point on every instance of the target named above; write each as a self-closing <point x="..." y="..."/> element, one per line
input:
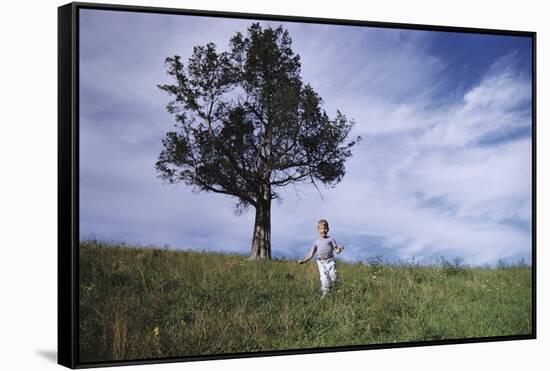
<point x="140" y="303"/>
<point x="245" y="120"/>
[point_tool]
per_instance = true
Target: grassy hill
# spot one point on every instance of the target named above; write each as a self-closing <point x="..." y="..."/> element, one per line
<point x="140" y="303"/>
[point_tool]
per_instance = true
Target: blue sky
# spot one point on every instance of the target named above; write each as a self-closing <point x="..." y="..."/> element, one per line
<point x="444" y="168"/>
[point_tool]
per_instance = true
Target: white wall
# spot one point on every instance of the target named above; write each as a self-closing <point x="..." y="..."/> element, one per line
<point x="28" y="145"/>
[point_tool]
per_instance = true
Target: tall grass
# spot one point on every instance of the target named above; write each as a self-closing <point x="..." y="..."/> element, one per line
<point x="140" y="303"/>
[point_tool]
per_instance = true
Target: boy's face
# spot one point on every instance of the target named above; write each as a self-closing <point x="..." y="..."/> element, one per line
<point x="323" y="230"/>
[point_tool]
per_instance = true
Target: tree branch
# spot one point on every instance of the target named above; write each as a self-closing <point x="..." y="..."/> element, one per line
<point x="289" y="179"/>
<point x="225" y="190"/>
<point x="315" y="184"/>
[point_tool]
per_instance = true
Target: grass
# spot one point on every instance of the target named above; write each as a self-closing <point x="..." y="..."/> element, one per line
<point x="138" y="303"/>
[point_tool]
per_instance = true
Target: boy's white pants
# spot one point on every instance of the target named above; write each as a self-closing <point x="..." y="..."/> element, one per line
<point x="327" y="272"/>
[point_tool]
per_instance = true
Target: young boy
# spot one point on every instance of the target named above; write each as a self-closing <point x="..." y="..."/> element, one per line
<point x="324" y="247"/>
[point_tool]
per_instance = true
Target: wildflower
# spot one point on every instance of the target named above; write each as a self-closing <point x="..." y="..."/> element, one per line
<point x="156" y="331"/>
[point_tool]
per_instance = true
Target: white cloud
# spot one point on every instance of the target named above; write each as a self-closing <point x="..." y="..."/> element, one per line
<point x="490" y="108"/>
<point x="430" y="193"/>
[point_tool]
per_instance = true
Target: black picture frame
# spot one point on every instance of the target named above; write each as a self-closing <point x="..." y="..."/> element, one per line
<point x="68" y="181"/>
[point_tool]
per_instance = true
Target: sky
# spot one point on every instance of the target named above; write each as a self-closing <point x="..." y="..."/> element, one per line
<point x="444" y="168"/>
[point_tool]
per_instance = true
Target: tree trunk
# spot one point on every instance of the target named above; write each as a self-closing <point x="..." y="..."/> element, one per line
<point x="261" y="238"/>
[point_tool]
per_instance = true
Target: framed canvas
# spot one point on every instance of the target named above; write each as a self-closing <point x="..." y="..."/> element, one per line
<point x="243" y="185"/>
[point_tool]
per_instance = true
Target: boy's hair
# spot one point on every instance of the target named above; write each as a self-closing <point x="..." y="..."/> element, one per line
<point x="322" y="222"/>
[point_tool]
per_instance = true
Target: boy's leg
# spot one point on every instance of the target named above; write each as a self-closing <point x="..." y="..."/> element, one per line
<point x="323" y="274"/>
<point x="331" y="271"/>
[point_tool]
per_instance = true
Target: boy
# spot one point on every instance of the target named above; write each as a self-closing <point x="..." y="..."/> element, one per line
<point x="324" y="247"/>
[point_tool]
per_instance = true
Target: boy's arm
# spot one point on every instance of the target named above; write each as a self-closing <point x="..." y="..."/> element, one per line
<point x="338" y="249"/>
<point x="308" y="257"/>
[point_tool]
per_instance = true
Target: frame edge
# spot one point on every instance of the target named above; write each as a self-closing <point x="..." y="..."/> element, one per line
<point x="66" y="299"/>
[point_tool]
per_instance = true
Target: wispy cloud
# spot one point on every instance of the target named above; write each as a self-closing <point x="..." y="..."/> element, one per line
<point x="434" y="188"/>
<point x="439" y="189"/>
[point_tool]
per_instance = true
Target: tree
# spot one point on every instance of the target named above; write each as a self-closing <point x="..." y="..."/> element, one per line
<point x="246" y="126"/>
